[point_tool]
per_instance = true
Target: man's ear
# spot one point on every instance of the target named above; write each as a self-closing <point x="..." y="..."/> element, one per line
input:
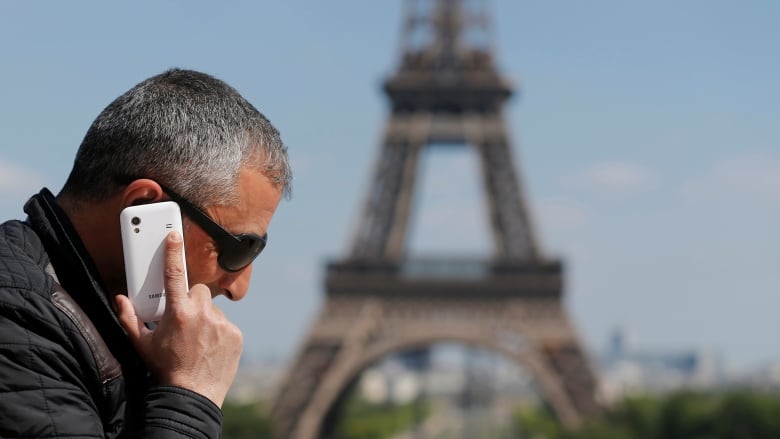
<point x="142" y="191"/>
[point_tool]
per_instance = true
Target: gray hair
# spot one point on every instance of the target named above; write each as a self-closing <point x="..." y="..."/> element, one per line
<point x="184" y="129"/>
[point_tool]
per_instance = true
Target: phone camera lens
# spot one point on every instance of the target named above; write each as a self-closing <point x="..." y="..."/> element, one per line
<point x="135" y="221"/>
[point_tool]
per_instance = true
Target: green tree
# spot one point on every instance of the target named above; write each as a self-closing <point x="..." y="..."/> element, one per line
<point x="682" y="415"/>
<point x="245" y="421"/>
<point x="363" y="420"/>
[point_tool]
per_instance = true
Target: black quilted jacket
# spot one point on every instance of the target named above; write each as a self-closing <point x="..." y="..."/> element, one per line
<point x="67" y="368"/>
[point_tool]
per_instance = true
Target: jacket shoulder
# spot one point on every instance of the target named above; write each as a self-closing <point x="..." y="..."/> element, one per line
<point x="23" y="259"/>
<point x="47" y="355"/>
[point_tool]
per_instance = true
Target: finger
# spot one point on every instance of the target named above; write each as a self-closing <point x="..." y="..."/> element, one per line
<point x="200" y="294"/>
<point x="175" y="276"/>
<point x="127" y="318"/>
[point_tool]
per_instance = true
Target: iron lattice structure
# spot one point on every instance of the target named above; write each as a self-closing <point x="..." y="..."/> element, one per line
<point x="446" y="90"/>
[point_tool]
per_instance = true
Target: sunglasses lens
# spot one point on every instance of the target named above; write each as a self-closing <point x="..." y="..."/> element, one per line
<point x="242" y="253"/>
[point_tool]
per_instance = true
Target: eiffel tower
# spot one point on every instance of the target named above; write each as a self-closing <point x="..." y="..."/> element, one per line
<point x="446" y="90"/>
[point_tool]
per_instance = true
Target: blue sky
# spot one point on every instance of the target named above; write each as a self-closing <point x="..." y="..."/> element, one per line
<point x="646" y="134"/>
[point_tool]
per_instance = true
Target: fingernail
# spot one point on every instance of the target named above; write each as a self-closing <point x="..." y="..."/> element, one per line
<point x="174" y="236"/>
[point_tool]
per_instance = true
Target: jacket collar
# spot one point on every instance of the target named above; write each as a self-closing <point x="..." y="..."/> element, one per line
<point x="74" y="267"/>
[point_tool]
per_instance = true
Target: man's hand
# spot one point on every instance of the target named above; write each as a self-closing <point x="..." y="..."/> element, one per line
<point x="194" y="345"/>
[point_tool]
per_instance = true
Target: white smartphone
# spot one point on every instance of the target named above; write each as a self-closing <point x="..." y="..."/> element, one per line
<point x="144" y="229"/>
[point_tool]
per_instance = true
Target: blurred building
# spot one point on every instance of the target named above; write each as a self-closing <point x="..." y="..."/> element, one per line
<point x="451" y="371"/>
<point x="626" y="369"/>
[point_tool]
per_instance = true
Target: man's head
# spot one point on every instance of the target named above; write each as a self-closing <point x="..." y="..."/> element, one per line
<point x="192" y="135"/>
<point x="186" y="129"/>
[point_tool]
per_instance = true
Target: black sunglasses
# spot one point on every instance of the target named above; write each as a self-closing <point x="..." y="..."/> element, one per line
<point x="235" y="251"/>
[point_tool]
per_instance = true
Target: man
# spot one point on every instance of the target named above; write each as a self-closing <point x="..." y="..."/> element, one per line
<point x="74" y="359"/>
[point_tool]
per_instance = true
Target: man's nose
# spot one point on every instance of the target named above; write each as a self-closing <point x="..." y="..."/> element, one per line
<point x="235" y="285"/>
